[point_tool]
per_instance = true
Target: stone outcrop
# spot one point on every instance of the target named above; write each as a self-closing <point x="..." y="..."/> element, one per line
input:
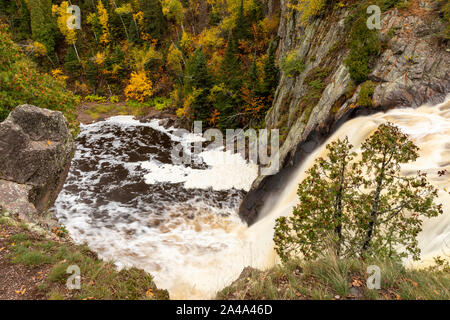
<point x="36" y="148"/>
<point x="413" y="69"/>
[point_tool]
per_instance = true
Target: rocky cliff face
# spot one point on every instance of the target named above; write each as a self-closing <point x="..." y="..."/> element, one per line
<point x="35" y="152"/>
<point x="413" y="68"/>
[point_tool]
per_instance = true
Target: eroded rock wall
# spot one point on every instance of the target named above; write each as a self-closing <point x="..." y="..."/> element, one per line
<point x="413" y="69"/>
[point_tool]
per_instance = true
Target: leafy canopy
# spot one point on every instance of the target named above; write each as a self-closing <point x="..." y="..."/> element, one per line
<point x="364" y="208"/>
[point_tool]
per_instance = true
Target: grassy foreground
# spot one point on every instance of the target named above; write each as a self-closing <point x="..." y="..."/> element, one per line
<point x="33" y="265"/>
<point x="331" y="278"/>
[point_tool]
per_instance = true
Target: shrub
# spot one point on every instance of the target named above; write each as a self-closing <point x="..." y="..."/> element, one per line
<point x="139" y="88"/>
<point x="95" y="98"/>
<point x="364" y="45"/>
<point x="21" y="83"/>
<point x="291" y="64"/>
<point x="114" y="99"/>
<point x="366" y="93"/>
<point x="307" y="8"/>
<point x="445" y="15"/>
<point x="161" y="103"/>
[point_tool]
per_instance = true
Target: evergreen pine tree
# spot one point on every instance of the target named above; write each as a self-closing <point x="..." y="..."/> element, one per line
<point x="20" y="14"/>
<point x="117" y="30"/>
<point x="23" y="21"/>
<point x="133" y="32"/>
<point x="71" y="63"/>
<point x="256" y="13"/>
<point x="198" y="77"/>
<point x="92" y="74"/>
<point x="43" y="28"/>
<point x="241" y="30"/>
<point x="231" y="74"/>
<point x="270" y="78"/>
<point x="155" y="23"/>
<point x="253" y="76"/>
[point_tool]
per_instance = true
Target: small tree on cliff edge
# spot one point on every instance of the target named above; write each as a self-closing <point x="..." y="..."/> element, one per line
<point x="390" y="212"/>
<point x="364" y="208"/>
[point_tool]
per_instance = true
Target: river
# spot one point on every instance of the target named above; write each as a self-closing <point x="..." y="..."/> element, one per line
<point x="130" y="203"/>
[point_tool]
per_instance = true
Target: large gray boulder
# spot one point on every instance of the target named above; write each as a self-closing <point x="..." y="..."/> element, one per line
<point x="36" y="148"/>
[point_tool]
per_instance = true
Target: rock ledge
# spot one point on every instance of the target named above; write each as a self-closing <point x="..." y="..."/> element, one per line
<point x="36" y="148"/>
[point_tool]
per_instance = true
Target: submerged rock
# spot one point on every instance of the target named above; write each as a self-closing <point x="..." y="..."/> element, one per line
<point x="36" y="148"/>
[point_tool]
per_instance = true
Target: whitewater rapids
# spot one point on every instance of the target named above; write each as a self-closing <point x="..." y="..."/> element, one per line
<point x="128" y="201"/>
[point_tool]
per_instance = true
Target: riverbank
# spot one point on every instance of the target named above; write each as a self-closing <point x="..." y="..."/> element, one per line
<point x="34" y="261"/>
<point x="334" y="279"/>
<point x="89" y="112"/>
<point x="33" y="264"/>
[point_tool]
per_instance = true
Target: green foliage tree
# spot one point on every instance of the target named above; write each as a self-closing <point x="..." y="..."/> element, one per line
<point x="231" y="68"/>
<point x="390" y="212"/>
<point x="364" y="46"/>
<point x="71" y="63"/>
<point x="326" y="198"/>
<point x="270" y="78"/>
<point x="225" y="101"/>
<point x="92" y="74"/>
<point x="116" y="68"/>
<point x="118" y="29"/>
<point x="155" y="23"/>
<point x="133" y="32"/>
<point x="21" y="83"/>
<point x="365" y="207"/>
<point x="43" y="28"/>
<point x="198" y="77"/>
<point x="241" y="30"/>
<point x="253" y="76"/>
<point x="20" y="18"/>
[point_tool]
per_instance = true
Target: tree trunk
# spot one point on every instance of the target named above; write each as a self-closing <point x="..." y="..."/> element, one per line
<point x="338" y="210"/>
<point x="76" y="52"/>
<point x="374" y="211"/>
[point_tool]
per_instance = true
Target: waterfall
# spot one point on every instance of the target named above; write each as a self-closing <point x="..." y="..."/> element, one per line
<point x="126" y="199"/>
<point x="428" y="127"/>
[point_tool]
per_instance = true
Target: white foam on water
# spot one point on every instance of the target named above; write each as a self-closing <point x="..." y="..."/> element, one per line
<point x="429" y="129"/>
<point x="226" y="171"/>
<point x="189" y="246"/>
<point x="197" y="245"/>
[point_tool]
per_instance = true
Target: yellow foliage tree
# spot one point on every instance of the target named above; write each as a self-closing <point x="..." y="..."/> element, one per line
<point x="139" y="87"/>
<point x="186" y="42"/>
<point x="307" y="8"/>
<point x="36" y="48"/>
<point x="139" y="19"/>
<point x="59" y="76"/>
<point x="175" y="60"/>
<point x="173" y="10"/>
<point x="124" y="9"/>
<point x="210" y="38"/>
<point x="230" y="11"/>
<point x="103" y="19"/>
<point x="140" y="56"/>
<point x="186" y="110"/>
<point x="214" y="117"/>
<point x="99" y="58"/>
<point x="70" y="35"/>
